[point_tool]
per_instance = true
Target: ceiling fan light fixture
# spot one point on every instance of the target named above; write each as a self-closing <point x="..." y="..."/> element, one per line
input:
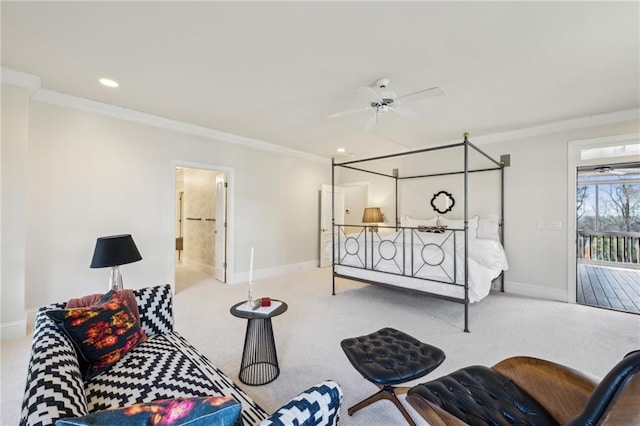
<point x="603" y="169"/>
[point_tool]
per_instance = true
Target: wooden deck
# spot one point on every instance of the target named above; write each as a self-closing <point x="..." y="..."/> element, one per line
<point x="609" y="287"/>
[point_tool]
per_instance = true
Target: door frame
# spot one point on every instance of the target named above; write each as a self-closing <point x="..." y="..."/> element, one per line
<point x="230" y="173"/>
<point x="221" y="179"/>
<point x="322" y="240"/>
<point x="573" y="162"/>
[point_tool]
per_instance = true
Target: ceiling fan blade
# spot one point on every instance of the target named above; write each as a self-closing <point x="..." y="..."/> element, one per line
<point x="422" y="94"/>
<point x="370" y="94"/>
<point x="351" y="111"/>
<point x="371" y="122"/>
<point x="408" y="113"/>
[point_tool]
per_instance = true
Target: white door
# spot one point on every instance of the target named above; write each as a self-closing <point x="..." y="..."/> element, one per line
<point x="220" y="263"/>
<point x="325" y="221"/>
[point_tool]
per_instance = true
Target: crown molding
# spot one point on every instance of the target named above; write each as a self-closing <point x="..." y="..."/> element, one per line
<point x="560" y="126"/>
<point x="100" y="108"/>
<point x="32" y="83"/>
<point x="21" y="79"/>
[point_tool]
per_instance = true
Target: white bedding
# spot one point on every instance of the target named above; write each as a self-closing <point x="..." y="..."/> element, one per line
<point x="408" y="258"/>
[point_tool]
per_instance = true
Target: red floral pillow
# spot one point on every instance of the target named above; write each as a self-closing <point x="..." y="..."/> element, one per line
<point x="102" y="333"/>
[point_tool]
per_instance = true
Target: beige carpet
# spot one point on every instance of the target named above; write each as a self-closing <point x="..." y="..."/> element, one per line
<point x="308" y="335"/>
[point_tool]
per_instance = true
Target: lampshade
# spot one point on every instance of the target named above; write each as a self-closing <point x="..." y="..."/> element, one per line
<point x="115" y="250"/>
<point x="372" y="215"/>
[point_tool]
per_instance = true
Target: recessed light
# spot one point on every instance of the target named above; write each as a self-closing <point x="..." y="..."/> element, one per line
<point x="109" y="83"/>
<point x="340" y="149"/>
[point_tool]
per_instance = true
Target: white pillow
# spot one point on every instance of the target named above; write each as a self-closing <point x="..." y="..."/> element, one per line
<point x="414" y="223"/>
<point x="488" y="227"/>
<point x="459" y="224"/>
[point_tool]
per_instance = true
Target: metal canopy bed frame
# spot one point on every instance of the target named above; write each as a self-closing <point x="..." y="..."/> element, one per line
<point x="409" y="268"/>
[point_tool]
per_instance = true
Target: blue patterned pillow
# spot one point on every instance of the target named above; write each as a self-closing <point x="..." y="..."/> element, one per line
<point x="202" y="411"/>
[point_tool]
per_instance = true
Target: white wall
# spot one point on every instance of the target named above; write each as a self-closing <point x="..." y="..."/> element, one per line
<point x="15" y="110"/>
<point x="91" y="175"/>
<point x="535" y="191"/>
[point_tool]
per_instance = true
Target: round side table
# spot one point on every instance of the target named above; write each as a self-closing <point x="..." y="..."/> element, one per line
<point x="259" y="359"/>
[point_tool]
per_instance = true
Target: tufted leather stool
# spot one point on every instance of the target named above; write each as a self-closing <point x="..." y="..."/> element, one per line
<point x="388" y="357"/>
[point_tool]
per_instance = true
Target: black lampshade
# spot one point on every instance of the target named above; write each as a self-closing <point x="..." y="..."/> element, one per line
<point x="115" y="250"/>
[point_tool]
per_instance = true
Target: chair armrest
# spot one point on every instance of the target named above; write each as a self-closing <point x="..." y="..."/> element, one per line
<point x="321" y="402"/>
<point x="155" y="306"/>
<point x="616" y="400"/>
<point x="562" y="391"/>
<point x="54" y="386"/>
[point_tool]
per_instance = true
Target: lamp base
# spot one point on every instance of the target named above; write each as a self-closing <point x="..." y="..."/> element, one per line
<point x="115" y="279"/>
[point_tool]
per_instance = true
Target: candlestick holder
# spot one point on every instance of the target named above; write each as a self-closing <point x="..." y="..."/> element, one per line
<point x="249" y="294"/>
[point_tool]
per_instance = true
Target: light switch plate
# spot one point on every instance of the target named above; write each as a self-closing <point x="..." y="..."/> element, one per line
<point x="554" y="225"/>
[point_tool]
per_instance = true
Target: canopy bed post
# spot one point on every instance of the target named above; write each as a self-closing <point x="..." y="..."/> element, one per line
<point x="333" y="226"/>
<point x="466" y="233"/>
<point x="502" y="219"/>
<point x="395" y="176"/>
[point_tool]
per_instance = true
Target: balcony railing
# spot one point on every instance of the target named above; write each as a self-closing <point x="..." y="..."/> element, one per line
<point x="620" y="248"/>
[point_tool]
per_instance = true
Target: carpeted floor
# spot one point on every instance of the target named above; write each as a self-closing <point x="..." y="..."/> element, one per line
<point x="308" y="335"/>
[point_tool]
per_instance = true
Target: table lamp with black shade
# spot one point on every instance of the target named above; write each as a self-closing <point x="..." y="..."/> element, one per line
<point x="113" y="251"/>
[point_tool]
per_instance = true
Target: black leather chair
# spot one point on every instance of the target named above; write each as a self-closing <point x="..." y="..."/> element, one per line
<point x="531" y="391"/>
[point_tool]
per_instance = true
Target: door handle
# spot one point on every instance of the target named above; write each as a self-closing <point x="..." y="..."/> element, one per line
<point x="323" y="229"/>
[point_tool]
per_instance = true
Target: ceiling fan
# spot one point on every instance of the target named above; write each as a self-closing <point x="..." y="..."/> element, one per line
<point x="383" y="101"/>
<point x="603" y="170"/>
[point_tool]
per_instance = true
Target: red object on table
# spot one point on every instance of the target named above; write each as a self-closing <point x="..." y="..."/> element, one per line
<point x="266" y="301"/>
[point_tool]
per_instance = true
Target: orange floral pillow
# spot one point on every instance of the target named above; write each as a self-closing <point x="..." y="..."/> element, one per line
<point x="101" y="333"/>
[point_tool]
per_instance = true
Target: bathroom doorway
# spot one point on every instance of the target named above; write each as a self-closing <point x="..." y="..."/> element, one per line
<point x="201" y="226"/>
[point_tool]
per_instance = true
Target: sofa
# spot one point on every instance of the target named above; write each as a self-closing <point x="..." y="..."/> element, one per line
<point x="162" y="367"/>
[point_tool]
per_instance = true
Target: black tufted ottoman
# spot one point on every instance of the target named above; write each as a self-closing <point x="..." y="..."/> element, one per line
<point x="389" y="357"/>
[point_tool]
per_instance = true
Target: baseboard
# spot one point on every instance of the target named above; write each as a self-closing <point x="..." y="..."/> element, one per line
<point x="13" y="330"/>
<point x="203" y="267"/>
<point x="539" y="292"/>
<point x="31" y="318"/>
<point x="243" y="277"/>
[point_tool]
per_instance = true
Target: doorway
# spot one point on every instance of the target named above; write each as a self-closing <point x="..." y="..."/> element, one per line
<point x="201" y="225"/>
<point x="608" y="236"/>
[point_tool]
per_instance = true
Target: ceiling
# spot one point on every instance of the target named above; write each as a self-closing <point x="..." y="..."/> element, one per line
<point x="274" y="71"/>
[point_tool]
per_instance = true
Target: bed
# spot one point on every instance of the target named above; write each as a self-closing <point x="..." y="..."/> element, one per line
<point x="452" y="259"/>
